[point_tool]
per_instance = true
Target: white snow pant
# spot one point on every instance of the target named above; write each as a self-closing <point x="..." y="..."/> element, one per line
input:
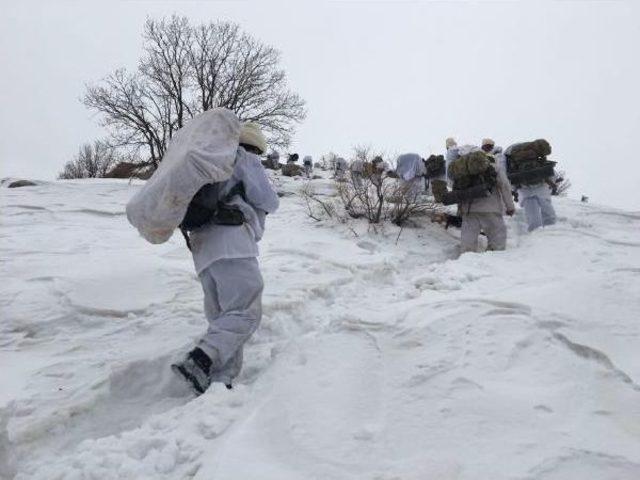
<point x="307" y="170"/>
<point x="492" y="224"/>
<point x="538" y="212"/>
<point x="233" y="307"/>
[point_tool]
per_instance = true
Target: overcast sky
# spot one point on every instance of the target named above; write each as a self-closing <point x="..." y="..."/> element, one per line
<point x="399" y="75"/>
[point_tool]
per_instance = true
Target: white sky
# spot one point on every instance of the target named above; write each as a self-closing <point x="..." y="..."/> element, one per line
<point x="399" y="75"/>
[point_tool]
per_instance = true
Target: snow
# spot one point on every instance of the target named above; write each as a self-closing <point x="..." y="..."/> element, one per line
<point x="375" y="359"/>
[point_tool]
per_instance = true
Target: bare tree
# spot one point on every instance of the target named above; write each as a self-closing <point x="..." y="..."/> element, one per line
<point x="92" y="161"/>
<point x="136" y="117"/>
<point x="166" y="67"/>
<point x="233" y="70"/>
<point x="186" y="70"/>
<point x="364" y="152"/>
<point x="71" y="170"/>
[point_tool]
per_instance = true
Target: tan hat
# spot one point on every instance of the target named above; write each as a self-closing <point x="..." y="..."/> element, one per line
<point x="252" y="135"/>
<point x="450" y="142"/>
<point x="487" y="141"/>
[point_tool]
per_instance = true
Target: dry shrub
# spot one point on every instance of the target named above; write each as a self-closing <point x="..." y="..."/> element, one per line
<point x="380" y="198"/>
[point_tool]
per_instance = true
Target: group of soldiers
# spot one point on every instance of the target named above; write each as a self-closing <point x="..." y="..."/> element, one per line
<point x="226" y="219"/>
<point x="476" y="214"/>
<point x="484" y="214"/>
<point x="291" y="167"/>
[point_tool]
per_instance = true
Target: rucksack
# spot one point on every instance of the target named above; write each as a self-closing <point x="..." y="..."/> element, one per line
<point x="205" y="207"/>
<point x="527" y="163"/>
<point x="473" y="177"/>
<point x="291" y="170"/>
<point x="200" y="153"/>
<point x="409" y="166"/>
<point x="435" y="166"/>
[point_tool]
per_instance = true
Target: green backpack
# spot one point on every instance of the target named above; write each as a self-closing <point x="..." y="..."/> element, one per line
<point x="435" y="166"/>
<point x="471" y="170"/>
<point x="527" y="163"/>
<point x="473" y="175"/>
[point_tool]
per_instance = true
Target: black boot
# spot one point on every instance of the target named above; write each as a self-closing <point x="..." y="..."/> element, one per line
<point x="195" y="369"/>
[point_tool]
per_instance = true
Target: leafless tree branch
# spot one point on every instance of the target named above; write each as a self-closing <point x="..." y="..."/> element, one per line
<point x="186" y="69"/>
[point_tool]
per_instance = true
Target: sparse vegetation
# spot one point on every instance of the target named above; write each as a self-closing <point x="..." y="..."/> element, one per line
<point x="376" y="196"/>
<point x="93" y="160"/>
<point x="186" y="69"/>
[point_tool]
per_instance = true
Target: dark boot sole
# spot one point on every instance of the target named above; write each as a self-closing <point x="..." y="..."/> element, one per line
<point x="180" y="370"/>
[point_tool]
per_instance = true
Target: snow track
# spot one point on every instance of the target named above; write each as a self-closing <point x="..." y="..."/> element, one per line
<point x="373" y="360"/>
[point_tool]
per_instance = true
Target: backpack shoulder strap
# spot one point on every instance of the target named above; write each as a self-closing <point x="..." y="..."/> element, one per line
<point x="237" y="189"/>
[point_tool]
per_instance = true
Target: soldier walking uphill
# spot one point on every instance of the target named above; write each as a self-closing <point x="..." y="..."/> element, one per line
<point x="483" y="194"/>
<point x="224" y="253"/>
<point x="533" y="176"/>
<point x="307" y="163"/>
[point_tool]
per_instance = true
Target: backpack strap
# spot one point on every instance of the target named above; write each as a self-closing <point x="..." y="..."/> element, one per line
<point x="237" y="189"/>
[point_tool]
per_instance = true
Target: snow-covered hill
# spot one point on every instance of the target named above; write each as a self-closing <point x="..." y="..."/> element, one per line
<point x="375" y="360"/>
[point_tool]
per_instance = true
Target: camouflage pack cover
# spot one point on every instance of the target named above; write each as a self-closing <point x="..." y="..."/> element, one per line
<point x="474" y="168"/>
<point x="292" y="170"/>
<point x="529" y="150"/>
<point x="527" y="162"/>
<point x="435" y="166"/>
<point x="439" y="190"/>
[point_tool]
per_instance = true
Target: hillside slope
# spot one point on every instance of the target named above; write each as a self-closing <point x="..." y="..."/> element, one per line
<point x="374" y="359"/>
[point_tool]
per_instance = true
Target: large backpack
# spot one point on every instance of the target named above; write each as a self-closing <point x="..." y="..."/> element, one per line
<point x="473" y="177"/>
<point x="527" y="163"/>
<point x="202" y="152"/>
<point x="409" y="166"/>
<point x="206" y="207"/>
<point x="435" y="166"/>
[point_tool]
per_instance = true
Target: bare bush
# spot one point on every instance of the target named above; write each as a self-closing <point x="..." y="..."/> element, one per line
<point x="92" y="161"/>
<point x="380" y="198"/>
<point x="187" y="69"/>
<point x="562" y="184"/>
<point x="374" y="193"/>
<point x="318" y="208"/>
<point x="363" y="152"/>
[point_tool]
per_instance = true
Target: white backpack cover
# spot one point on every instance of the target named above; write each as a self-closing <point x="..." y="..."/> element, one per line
<point x="409" y="166"/>
<point x="203" y="151"/>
